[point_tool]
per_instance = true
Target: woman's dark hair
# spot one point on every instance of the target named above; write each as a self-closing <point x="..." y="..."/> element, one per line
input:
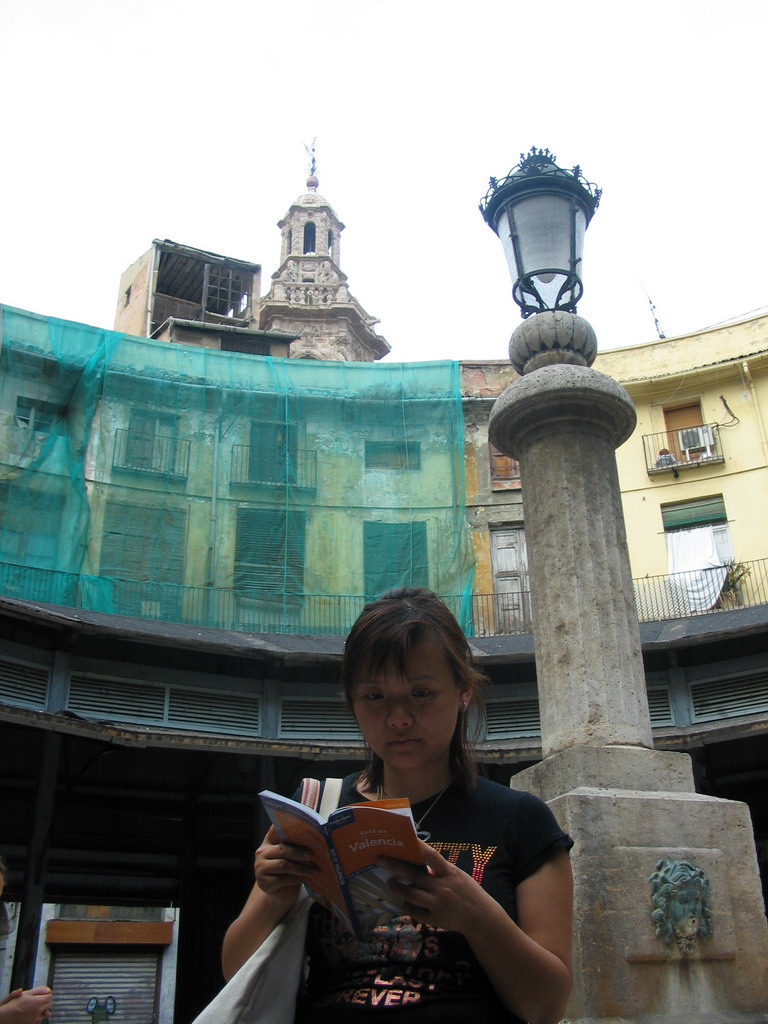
<point x="383" y="636"/>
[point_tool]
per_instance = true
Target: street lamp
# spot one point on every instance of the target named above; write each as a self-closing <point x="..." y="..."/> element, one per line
<point x="563" y="420"/>
<point x="540" y="212"/>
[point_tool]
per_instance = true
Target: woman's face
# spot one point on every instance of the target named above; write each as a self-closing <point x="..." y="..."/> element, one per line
<point x="409" y="720"/>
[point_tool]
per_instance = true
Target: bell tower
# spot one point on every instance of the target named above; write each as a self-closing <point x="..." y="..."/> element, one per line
<point x="311" y="228"/>
<point x="309" y="296"/>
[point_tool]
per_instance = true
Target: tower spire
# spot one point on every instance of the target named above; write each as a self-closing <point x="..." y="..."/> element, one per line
<point x="312" y="181"/>
<point x="309" y="296"/>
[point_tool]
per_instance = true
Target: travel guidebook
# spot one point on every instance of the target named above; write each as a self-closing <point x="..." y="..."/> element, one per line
<point x="346" y="848"/>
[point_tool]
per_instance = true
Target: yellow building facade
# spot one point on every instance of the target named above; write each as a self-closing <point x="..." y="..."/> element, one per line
<point x="697" y="457"/>
<point x="699" y="452"/>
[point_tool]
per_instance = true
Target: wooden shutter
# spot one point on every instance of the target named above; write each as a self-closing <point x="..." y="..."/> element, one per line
<point x="503" y="467"/>
<point x="144" y="543"/>
<point x="273" y="452"/>
<point x="269" y="551"/>
<point x="395" y="555"/>
<point x="30" y="522"/>
<point x="683" y="416"/>
<point x="26" y="685"/>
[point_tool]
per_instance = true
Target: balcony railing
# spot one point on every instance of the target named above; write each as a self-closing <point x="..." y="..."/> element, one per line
<point x="152" y="453"/>
<point x="672" y="450"/>
<point x="658" y="598"/>
<point x="274" y="468"/>
<point x="680" y="595"/>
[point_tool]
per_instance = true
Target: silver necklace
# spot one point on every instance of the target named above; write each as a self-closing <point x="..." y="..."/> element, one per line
<point x="425" y="836"/>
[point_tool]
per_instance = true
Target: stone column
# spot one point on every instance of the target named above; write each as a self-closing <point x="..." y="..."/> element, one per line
<point x="632" y="811"/>
<point x="563" y="423"/>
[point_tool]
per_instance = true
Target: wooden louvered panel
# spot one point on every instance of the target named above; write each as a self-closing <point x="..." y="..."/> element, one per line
<point x="203" y="710"/>
<point x="144" y="543"/>
<point x="394" y="555"/>
<point x="512" y="718"/>
<point x="26" y="685"/>
<point x="659" y="707"/>
<point x="727" y="698"/>
<point x="683" y="416"/>
<point x="269" y="551"/>
<point x="210" y="711"/>
<point x="109" y="698"/>
<point x="321" y="718"/>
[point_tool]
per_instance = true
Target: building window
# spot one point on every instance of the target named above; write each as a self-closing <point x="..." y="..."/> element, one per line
<point x="147" y="431"/>
<point x="505" y="471"/>
<point x="393" y="455"/>
<point x="144" y="543"/>
<point x="227" y="291"/>
<point x="309" y="238"/>
<point x="34" y="414"/>
<point x="395" y="555"/>
<point x="682" y="416"/>
<point x="151" y="445"/>
<point x="703" y="513"/>
<point x="688" y="439"/>
<point x="273" y="452"/>
<point x="142" y="551"/>
<point x="269" y="552"/>
<point x="698" y="549"/>
<point x="30" y="524"/>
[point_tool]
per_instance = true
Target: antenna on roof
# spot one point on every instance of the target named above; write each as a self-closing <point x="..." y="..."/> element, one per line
<point x="659" y="331"/>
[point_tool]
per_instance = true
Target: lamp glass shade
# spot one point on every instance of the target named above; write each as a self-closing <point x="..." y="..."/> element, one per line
<point x="543" y="240"/>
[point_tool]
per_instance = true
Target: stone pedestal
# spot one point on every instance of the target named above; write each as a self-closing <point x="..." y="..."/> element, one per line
<point x="632" y="811"/>
<point x="623" y="971"/>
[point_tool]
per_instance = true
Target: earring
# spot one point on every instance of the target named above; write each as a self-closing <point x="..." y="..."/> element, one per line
<point x="463" y="705"/>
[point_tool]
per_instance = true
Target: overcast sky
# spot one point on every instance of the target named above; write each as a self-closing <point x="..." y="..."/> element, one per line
<point x="128" y="121"/>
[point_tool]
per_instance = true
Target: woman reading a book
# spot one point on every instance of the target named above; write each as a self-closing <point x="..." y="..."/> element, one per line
<point x="487" y="932"/>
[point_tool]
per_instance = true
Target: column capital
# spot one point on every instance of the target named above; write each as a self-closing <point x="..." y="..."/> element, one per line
<point x="552" y="396"/>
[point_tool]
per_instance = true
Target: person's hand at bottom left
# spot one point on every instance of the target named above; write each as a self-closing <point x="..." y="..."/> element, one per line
<point x="26" y="1006"/>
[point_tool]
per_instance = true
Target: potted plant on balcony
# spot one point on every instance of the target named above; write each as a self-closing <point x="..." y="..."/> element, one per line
<point x="730" y="594"/>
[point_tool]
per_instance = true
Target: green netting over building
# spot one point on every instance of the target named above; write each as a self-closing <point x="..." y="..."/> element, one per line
<point x="222" y="489"/>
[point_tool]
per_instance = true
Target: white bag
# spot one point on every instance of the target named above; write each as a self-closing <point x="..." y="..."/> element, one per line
<point x="264" y="990"/>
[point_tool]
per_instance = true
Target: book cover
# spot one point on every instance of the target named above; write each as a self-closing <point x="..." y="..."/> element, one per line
<point x="346" y="848"/>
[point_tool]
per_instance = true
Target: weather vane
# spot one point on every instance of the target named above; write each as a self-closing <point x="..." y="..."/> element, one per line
<point x="312" y="161"/>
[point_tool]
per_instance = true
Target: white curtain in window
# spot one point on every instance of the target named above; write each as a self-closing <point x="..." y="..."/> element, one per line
<point x="694" y="553"/>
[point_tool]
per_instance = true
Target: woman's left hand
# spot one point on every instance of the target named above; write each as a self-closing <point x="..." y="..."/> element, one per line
<point x="539" y="946"/>
<point x="443" y="895"/>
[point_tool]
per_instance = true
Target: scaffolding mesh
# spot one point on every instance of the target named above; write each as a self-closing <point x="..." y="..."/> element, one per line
<point x="222" y="489"/>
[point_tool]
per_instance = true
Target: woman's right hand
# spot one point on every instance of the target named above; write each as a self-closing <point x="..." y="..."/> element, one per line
<point x="282" y="868"/>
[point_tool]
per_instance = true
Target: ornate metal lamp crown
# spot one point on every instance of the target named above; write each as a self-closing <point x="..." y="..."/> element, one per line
<point x="532" y="164"/>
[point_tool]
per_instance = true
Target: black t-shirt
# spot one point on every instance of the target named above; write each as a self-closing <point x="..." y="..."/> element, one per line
<point x="419" y="972"/>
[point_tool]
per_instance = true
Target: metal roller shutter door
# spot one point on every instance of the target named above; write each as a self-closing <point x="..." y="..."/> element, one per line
<point x="131" y="979"/>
